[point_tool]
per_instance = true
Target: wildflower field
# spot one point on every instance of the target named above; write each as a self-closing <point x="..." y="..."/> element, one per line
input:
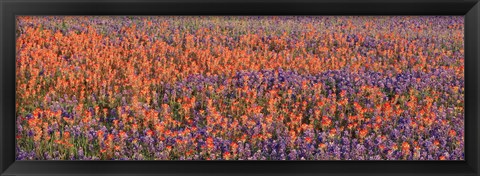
<point x="240" y="88"/>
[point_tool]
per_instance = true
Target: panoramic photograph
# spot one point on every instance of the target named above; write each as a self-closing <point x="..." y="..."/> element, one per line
<point x="240" y="88"/>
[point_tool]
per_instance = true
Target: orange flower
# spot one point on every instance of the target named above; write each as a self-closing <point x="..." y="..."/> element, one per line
<point x="381" y="147"/>
<point x="352" y="118"/>
<point x="134" y="127"/>
<point x="333" y="131"/>
<point x="326" y="121"/>
<point x="66" y="135"/>
<point x="394" y="147"/>
<point x="100" y="135"/>
<point x="227" y="155"/>
<point x="308" y="139"/>
<point x="149" y="133"/>
<point x="110" y="137"/>
<point x="122" y="134"/>
<point x="322" y="146"/>
<point x="234" y="146"/>
<point x="452" y="133"/>
<point x="363" y="133"/>
<point x="210" y="144"/>
<point x="405" y="147"/>
<point x="350" y="126"/>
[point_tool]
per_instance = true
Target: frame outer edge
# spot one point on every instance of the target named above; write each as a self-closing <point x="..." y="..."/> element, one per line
<point x="477" y="43"/>
<point x="7" y="147"/>
<point x="472" y="43"/>
<point x="2" y="57"/>
<point x="474" y="162"/>
<point x="475" y="40"/>
<point x="476" y="55"/>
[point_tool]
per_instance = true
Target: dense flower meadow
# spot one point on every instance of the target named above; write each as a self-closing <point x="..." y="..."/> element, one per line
<point x="240" y="88"/>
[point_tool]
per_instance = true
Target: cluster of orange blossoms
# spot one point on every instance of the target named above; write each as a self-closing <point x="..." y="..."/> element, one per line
<point x="240" y="88"/>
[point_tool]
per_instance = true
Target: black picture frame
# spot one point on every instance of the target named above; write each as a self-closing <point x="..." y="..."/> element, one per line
<point x="10" y="8"/>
